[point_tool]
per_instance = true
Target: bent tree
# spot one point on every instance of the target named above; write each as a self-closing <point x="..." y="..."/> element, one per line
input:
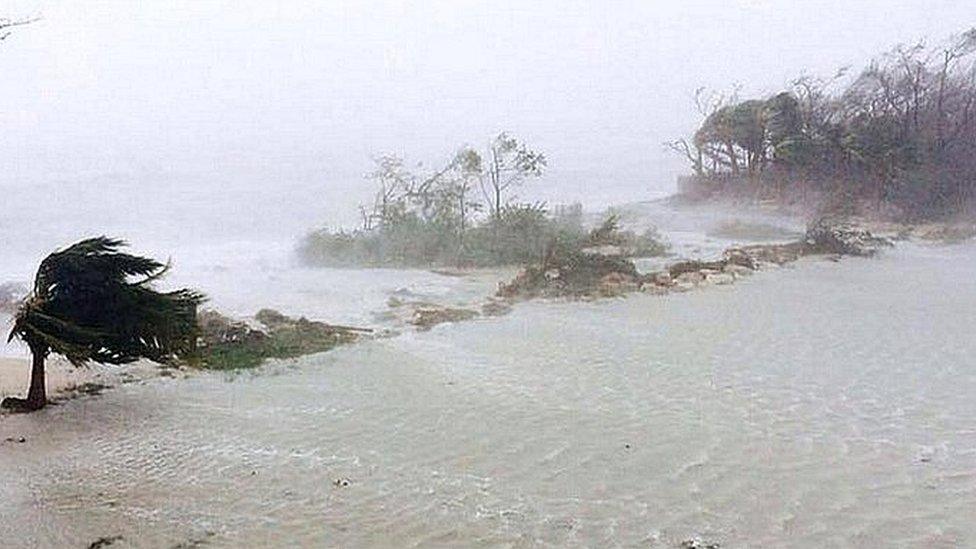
<point x="92" y="303"/>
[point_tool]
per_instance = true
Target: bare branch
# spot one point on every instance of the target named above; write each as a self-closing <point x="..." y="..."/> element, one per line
<point x="6" y="24"/>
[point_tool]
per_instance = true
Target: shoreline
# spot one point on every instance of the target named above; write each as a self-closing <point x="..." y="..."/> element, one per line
<point x="66" y="382"/>
<point x="944" y="231"/>
<point x="92" y="441"/>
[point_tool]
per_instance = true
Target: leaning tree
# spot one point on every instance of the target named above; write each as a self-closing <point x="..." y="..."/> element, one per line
<point x="92" y="303"/>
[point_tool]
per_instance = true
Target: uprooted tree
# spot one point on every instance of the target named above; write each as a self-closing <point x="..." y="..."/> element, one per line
<point x="92" y="303"/>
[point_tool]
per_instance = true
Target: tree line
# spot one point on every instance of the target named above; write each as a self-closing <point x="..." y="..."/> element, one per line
<point x="898" y="138"/>
<point x="462" y="213"/>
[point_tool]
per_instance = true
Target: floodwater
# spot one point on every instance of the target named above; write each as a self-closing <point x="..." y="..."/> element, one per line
<point x="244" y="269"/>
<point x="821" y="405"/>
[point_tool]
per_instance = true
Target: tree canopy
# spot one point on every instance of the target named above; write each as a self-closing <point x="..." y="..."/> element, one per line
<point x="91" y="302"/>
<point x="900" y="133"/>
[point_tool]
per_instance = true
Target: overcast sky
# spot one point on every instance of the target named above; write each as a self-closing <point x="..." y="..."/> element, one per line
<point x="218" y="93"/>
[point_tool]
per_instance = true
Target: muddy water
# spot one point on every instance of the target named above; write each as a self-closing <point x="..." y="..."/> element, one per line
<point x="821" y="405"/>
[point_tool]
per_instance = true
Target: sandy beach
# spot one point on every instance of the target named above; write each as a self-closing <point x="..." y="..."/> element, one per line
<point x="65" y="380"/>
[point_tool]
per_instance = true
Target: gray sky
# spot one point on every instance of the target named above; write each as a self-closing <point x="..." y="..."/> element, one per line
<point x="208" y="93"/>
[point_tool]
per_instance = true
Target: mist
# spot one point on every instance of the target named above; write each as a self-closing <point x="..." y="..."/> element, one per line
<point x="289" y="102"/>
<point x="431" y="279"/>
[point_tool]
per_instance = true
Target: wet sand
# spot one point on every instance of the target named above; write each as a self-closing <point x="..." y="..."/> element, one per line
<point x="64" y="380"/>
<point x="15" y="377"/>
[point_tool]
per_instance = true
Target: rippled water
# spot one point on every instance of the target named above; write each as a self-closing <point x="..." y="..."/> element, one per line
<point x="821" y="405"/>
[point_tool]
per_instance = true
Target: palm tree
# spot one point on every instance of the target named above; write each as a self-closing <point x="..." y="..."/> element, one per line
<point x="91" y="303"/>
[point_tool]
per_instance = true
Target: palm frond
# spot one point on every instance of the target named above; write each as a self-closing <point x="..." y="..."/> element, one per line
<point x="92" y="302"/>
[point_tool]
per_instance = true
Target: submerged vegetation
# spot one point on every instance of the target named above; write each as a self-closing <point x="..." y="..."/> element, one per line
<point x="462" y="214"/>
<point x="90" y="302"/>
<point x="226" y="344"/>
<point x="591" y="274"/>
<point x="898" y="140"/>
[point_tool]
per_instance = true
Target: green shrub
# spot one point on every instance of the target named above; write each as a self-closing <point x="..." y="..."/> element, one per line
<point x="519" y="234"/>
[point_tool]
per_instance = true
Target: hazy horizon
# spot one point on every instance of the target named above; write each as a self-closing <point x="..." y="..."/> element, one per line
<point x="781" y="356"/>
<point x="216" y="98"/>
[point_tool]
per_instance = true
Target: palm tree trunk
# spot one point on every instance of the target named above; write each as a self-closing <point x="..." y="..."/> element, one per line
<point x="37" y="394"/>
